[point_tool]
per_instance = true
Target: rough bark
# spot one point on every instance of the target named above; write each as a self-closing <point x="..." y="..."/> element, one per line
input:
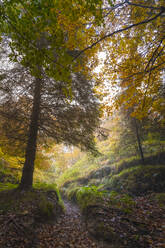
<point x="28" y="169"/>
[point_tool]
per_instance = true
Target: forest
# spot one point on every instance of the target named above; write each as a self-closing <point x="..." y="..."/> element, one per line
<point x="82" y="124"/>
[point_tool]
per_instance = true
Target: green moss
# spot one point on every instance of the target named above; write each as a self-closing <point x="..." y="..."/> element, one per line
<point x="45" y="186"/>
<point x="46" y="208"/>
<point x="50" y="187"/>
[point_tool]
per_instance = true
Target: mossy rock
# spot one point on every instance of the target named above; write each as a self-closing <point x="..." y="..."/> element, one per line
<point x="48" y="208"/>
<point x="24" y="211"/>
<point x="88" y="195"/>
<point x="114" y="225"/>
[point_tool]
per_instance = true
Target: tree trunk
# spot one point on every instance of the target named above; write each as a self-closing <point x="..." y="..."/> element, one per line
<point x="139" y="142"/>
<point x="28" y="169"/>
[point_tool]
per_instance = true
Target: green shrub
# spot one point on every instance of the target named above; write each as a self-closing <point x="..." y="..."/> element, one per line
<point x="89" y="195"/>
<point x="71" y="192"/>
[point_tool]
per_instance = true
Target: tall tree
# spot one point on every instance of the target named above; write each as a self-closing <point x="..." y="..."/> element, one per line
<point x="53" y="115"/>
<point x="44" y="37"/>
<point x="131" y="133"/>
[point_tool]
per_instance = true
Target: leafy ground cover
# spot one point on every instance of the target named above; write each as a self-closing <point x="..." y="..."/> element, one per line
<point x="35" y="219"/>
<point x="122" y="220"/>
<point x="138" y="223"/>
<point x="21" y="212"/>
<point x="69" y="231"/>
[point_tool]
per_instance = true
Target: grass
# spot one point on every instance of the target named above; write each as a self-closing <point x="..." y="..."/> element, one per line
<point x="127" y="176"/>
<point x="138" y="180"/>
<point x="82" y="173"/>
<point x="7" y="186"/>
<point x="80" y="169"/>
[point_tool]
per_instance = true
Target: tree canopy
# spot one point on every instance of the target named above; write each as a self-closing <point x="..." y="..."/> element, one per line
<point x="134" y="44"/>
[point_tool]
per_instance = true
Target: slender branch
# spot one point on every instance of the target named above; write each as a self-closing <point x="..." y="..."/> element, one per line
<point x="106" y="14"/>
<point x="120" y="31"/>
<point x="143" y="6"/>
<point x="115" y="7"/>
<point x="143" y="72"/>
<point x="149" y="77"/>
<point x="153" y="55"/>
<point x="159" y="53"/>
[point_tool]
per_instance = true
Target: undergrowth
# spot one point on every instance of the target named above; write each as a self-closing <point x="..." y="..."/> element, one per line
<point x="138" y="180"/>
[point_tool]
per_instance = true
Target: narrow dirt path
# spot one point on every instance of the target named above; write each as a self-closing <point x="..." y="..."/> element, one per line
<point x="69" y="232"/>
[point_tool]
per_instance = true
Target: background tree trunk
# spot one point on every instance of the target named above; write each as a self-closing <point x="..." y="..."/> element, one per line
<point x="139" y="141"/>
<point x="28" y="169"/>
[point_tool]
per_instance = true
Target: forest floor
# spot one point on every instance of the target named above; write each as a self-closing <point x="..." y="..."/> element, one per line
<point x="144" y="227"/>
<point x="23" y="227"/>
<point x="69" y="232"/>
